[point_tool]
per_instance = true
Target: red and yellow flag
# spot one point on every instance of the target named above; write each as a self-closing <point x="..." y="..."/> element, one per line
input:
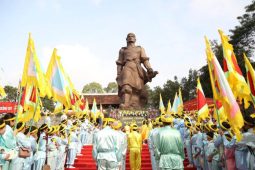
<point x="250" y="76"/>
<point x="224" y="94"/>
<point x="233" y="72"/>
<point x="202" y="107"/>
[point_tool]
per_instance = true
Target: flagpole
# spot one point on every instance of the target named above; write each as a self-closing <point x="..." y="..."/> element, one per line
<point x="217" y="112"/>
<point x="19" y="94"/>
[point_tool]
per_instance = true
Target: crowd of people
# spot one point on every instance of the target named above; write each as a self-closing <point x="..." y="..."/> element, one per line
<point x="209" y="145"/>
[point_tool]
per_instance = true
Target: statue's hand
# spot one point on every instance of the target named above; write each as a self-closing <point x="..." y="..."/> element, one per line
<point x="150" y="71"/>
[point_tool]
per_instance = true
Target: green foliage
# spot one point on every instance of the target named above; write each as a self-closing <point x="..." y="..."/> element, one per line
<point x="93" y="87"/>
<point x="169" y="90"/>
<point x="48" y="104"/>
<point x="242" y="37"/>
<point x="154" y="96"/>
<point x="11" y="93"/>
<point x="112" y="87"/>
<point x="188" y="85"/>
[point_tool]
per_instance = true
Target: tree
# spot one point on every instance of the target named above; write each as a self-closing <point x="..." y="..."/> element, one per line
<point x="93" y="87"/>
<point x="154" y="96"/>
<point x="188" y="85"/>
<point x="48" y="104"/>
<point x="112" y="87"/>
<point x="11" y="93"/>
<point x="242" y="37"/>
<point x="169" y="90"/>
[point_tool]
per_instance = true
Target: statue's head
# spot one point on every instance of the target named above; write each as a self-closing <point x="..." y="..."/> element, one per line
<point x="131" y="38"/>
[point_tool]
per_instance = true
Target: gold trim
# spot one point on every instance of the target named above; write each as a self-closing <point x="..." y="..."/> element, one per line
<point x="2" y="125"/>
<point x="21" y="127"/>
<point x="10" y="119"/>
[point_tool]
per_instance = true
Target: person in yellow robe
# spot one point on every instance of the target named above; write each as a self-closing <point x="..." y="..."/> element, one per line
<point x="144" y="131"/>
<point x="135" y="148"/>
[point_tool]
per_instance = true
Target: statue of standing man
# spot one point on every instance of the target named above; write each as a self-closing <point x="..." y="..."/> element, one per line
<point x="131" y="75"/>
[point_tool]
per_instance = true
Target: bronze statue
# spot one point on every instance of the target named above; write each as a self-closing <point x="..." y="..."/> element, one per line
<point x="131" y="76"/>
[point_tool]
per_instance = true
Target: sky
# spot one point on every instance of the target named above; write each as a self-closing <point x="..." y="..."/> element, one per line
<point x="89" y="33"/>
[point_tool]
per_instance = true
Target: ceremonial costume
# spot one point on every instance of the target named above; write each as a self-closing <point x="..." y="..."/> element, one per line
<point x="188" y="145"/>
<point x="151" y="144"/>
<point x="40" y="156"/>
<point x="229" y="151"/>
<point x="105" y="149"/>
<point x="7" y="143"/>
<point x="72" y="143"/>
<point x="169" y="148"/>
<point x="135" y="149"/>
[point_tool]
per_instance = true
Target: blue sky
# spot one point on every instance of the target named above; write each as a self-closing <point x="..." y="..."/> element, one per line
<point x="89" y="33"/>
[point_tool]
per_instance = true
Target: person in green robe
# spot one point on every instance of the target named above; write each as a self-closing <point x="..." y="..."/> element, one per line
<point x="168" y="146"/>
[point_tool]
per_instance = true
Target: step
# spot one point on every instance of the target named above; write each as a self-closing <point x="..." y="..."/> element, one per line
<point x="86" y="162"/>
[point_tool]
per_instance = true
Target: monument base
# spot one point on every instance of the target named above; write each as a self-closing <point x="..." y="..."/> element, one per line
<point x="129" y="116"/>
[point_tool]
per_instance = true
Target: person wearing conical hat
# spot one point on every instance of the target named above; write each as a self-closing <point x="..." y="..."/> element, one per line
<point x="187" y="137"/>
<point x="97" y="128"/>
<point x="151" y="143"/>
<point x="22" y="143"/>
<point x="135" y="148"/>
<point x="40" y="155"/>
<point x="229" y="147"/>
<point x="106" y="151"/>
<point x="62" y="145"/>
<point x="122" y="142"/>
<point x="7" y="144"/>
<point x="52" y="147"/>
<point x="9" y="119"/>
<point x="244" y="152"/>
<point x="202" y="141"/>
<point x="83" y="131"/>
<point x="144" y="131"/>
<point x="211" y="153"/>
<point x="72" y="143"/>
<point x="168" y="145"/>
<point x="193" y="143"/>
<point x="218" y="141"/>
<point x="31" y="134"/>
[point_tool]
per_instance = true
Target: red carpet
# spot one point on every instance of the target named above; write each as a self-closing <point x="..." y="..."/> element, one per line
<point x="86" y="162"/>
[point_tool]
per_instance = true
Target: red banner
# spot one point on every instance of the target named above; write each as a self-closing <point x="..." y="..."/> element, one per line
<point x="8" y="107"/>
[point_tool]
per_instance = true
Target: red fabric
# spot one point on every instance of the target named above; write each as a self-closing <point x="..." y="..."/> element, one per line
<point x="201" y="101"/>
<point x="251" y="83"/>
<point x="33" y="96"/>
<point x="236" y="67"/>
<point x="8" y="107"/>
<point x="225" y="66"/>
<point x="22" y="100"/>
<point x="218" y="104"/>
<point x="83" y="103"/>
<point x="72" y="99"/>
<point x="192" y="104"/>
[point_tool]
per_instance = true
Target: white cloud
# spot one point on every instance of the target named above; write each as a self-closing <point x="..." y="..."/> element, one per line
<point x="81" y="64"/>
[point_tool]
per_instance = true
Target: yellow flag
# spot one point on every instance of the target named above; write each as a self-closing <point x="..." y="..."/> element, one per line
<point x="250" y="76"/>
<point x="58" y="82"/>
<point x="180" y="103"/>
<point x="32" y="72"/>
<point x="168" y="111"/>
<point x="233" y="72"/>
<point x="161" y="105"/>
<point x="2" y="92"/>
